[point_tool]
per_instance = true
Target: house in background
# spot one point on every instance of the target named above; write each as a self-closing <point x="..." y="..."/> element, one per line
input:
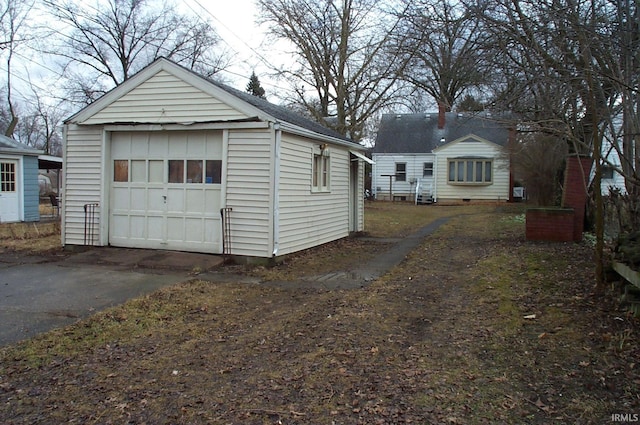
<point x="19" y="190"/>
<point x="443" y="156"/>
<point x="157" y="161"/>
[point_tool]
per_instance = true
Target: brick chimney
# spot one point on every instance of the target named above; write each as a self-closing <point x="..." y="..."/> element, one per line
<point x="442" y="109"/>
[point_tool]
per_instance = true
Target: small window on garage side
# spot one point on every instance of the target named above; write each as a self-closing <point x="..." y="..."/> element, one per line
<point x="321" y="172"/>
<point x="214" y="171"/>
<point x="194" y="171"/>
<point x="120" y="170"/>
<point x="176" y="171"/>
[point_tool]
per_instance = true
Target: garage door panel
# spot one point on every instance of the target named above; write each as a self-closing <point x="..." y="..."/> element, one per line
<point x="119" y="226"/>
<point x="211" y="230"/>
<point x="147" y="211"/>
<point x="212" y="201"/>
<point x="120" y="198"/>
<point x="175" y="228"/>
<point x="155" y="228"/>
<point x="195" y="202"/>
<point x="175" y="200"/>
<point x="137" y="226"/>
<point x="196" y="147"/>
<point x="138" y="201"/>
<point x="156" y="200"/>
<point x="194" y="230"/>
<point x="139" y="144"/>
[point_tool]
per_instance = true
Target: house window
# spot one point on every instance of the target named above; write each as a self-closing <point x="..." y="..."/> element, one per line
<point x="401" y="171"/>
<point x="321" y="172"/>
<point x="7" y="177"/>
<point x="470" y="171"/>
<point x="427" y="169"/>
<point x="607" y="172"/>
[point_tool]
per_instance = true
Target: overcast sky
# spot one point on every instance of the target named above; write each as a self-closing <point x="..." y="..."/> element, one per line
<point x="234" y="20"/>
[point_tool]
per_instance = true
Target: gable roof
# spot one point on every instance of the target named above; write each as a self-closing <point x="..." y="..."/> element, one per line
<point x="419" y="133"/>
<point x="470" y="138"/>
<point x="11" y="146"/>
<point x="255" y="108"/>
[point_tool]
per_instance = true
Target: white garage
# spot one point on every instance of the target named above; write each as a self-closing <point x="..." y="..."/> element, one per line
<point x="153" y="163"/>
<point x="165" y="190"/>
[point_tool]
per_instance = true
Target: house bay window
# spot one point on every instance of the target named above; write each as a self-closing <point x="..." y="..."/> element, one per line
<point x="320" y="172"/>
<point x="474" y="171"/>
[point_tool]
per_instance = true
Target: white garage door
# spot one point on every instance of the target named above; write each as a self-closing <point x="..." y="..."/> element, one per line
<point x="165" y="190"/>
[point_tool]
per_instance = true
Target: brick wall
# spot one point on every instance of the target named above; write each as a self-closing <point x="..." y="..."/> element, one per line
<point x="574" y="195"/>
<point x="563" y="224"/>
<point x="550" y="224"/>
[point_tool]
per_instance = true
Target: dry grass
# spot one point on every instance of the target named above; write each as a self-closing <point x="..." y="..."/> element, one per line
<point x="443" y="338"/>
<point x="30" y="238"/>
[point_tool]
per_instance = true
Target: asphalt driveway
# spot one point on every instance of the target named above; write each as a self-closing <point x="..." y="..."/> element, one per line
<point x="37" y="294"/>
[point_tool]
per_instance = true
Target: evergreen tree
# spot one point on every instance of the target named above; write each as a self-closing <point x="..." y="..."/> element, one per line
<point x="254" y="86"/>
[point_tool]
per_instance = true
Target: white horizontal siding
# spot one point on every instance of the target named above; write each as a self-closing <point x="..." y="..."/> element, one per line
<point x="386" y="164"/>
<point x="164" y="98"/>
<point x="498" y="190"/>
<point x="249" y="192"/>
<point x="82" y="182"/>
<point x="308" y="219"/>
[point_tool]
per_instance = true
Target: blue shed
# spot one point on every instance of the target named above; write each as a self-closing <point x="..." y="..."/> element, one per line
<point x="19" y="189"/>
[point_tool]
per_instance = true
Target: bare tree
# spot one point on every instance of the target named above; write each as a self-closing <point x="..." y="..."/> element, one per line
<point x="560" y="66"/>
<point x="444" y="43"/>
<point x="345" y="70"/>
<point x="106" y="44"/>
<point x="13" y="21"/>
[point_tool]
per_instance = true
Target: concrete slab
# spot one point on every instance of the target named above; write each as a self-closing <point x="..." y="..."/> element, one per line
<point x="150" y="260"/>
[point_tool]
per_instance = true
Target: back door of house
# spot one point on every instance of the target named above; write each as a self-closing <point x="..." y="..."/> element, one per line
<point x="165" y="190"/>
<point x="9" y="200"/>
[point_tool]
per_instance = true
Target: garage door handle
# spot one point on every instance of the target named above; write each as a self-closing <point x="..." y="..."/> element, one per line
<point x="165" y="199"/>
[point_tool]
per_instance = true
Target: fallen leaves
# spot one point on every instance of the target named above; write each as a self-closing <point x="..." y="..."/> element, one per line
<point x="455" y="344"/>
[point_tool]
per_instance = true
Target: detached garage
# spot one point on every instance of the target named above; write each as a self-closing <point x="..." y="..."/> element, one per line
<point x="171" y="160"/>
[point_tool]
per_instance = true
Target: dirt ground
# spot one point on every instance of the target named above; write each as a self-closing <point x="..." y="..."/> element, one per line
<point x="475" y="326"/>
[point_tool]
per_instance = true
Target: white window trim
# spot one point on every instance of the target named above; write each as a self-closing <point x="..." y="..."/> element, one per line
<point x="317" y="173"/>
<point x="466" y="182"/>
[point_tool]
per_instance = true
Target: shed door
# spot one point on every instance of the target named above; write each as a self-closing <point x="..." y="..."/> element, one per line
<point x="165" y="190"/>
<point x="9" y="200"/>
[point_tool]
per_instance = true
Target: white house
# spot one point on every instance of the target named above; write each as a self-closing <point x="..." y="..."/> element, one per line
<point x="157" y="161"/>
<point x="441" y="156"/>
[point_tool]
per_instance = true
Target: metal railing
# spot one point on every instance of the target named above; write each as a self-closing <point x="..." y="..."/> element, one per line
<point x="226" y="232"/>
<point x="90" y="232"/>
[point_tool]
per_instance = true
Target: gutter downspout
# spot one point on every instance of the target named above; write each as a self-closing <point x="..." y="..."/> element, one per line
<point x="276" y="189"/>
<point x="434" y="180"/>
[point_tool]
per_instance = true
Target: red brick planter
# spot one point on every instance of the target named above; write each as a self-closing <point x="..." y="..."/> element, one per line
<point x="563" y="224"/>
<point x="550" y="224"/>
